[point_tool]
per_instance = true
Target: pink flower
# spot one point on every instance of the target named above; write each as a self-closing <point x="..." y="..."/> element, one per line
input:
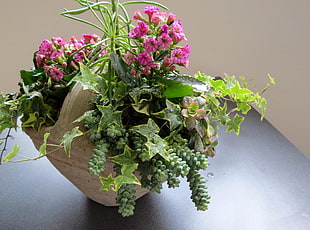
<point x="46" y="68"/>
<point x="177" y="32"/>
<point x="58" y="41"/>
<point x="146" y="70"/>
<point x="180" y="56"/>
<point x="57" y="55"/>
<point x="144" y="58"/>
<point x="90" y="38"/>
<point x="150" y="45"/>
<point x="150" y="10"/>
<point x="79" y="57"/>
<point x="104" y="51"/>
<point x="158" y="18"/>
<point x="73" y="39"/>
<point x="129" y="58"/>
<point x="164" y="29"/>
<point x="164" y="41"/>
<point x="46" y="48"/>
<point x="171" y="18"/>
<point x="40" y="59"/>
<point x="133" y="72"/>
<point x="139" y="31"/>
<point x="167" y="62"/>
<point x="56" y="74"/>
<point x="137" y="16"/>
<point x="78" y="45"/>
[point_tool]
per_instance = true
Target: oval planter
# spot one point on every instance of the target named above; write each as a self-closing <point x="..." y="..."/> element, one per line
<point x="75" y="167"/>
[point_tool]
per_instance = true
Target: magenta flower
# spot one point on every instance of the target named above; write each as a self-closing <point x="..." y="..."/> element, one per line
<point x="144" y="58"/>
<point x="180" y="56"/>
<point x="73" y="39"/>
<point x="40" y="59"/>
<point x="139" y="31"/>
<point x="167" y="62"/>
<point x="158" y="18"/>
<point x="56" y="74"/>
<point x="78" y="45"/>
<point x="57" y="55"/>
<point x="58" y="41"/>
<point x="146" y="70"/>
<point x="79" y="57"/>
<point x="137" y="16"/>
<point x="171" y="18"/>
<point x="150" y="45"/>
<point x="177" y="32"/>
<point x="164" y="29"/>
<point x="164" y="41"/>
<point x="129" y="58"/>
<point x="46" y="48"/>
<point x="90" y="38"/>
<point x="150" y="10"/>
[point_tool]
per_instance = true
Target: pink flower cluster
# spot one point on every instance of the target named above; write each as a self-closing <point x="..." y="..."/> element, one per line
<point x="59" y="57"/>
<point x="156" y="39"/>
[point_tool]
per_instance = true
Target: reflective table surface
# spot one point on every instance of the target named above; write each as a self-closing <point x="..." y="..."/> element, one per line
<point x="257" y="180"/>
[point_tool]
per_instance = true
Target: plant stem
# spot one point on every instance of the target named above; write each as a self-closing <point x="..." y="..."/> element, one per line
<point x="5" y="144"/>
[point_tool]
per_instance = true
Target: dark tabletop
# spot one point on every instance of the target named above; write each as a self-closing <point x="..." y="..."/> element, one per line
<point x="257" y="180"/>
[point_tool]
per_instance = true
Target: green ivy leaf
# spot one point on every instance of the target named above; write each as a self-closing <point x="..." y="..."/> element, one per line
<point x="234" y="125"/>
<point x="86" y="115"/>
<point x="223" y="117"/>
<point x="127" y="176"/>
<point x="5" y="115"/>
<point x="34" y="121"/>
<point x="271" y="79"/>
<point x="244" y="107"/>
<point x="106" y="182"/>
<point x="11" y="154"/>
<point x="262" y="104"/>
<point x="147" y="130"/>
<point x="156" y="145"/>
<point x="88" y="79"/>
<point x="68" y="137"/>
<point x="35" y="111"/>
<point x="142" y="106"/>
<point x="171" y="114"/>
<point x="126" y="158"/>
<point x="109" y="117"/>
<point x="42" y="148"/>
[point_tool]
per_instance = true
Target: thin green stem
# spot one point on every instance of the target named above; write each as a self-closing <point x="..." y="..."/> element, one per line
<point x="84" y="21"/>
<point x="5" y="144"/>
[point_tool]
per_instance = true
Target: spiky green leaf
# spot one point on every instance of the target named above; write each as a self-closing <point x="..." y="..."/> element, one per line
<point x="127" y="157"/>
<point x="234" y="125"/>
<point x="171" y="114"/>
<point x="68" y="137"/>
<point x="42" y="148"/>
<point x="127" y="176"/>
<point x="11" y="154"/>
<point x="107" y="182"/>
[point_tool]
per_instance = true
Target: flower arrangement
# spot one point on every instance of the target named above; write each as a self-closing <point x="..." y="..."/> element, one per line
<point x="146" y="116"/>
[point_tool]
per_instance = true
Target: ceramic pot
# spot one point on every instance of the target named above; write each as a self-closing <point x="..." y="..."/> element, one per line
<point x="75" y="167"/>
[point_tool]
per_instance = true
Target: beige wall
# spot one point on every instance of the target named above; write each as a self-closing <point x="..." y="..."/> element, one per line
<point x="240" y="37"/>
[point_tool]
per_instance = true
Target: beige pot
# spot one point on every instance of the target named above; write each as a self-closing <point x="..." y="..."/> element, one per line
<point x="75" y="168"/>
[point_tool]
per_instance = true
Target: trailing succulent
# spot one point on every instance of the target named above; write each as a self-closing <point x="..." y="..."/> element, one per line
<point x="147" y="117"/>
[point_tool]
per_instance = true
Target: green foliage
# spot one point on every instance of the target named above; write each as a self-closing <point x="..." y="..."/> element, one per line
<point x="42" y="148"/>
<point x="159" y="124"/>
<point x="11" y="154"/>
<point x="122" y="69"/>
<point x="88" y="79"/>
<point x="68" y="137"/>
